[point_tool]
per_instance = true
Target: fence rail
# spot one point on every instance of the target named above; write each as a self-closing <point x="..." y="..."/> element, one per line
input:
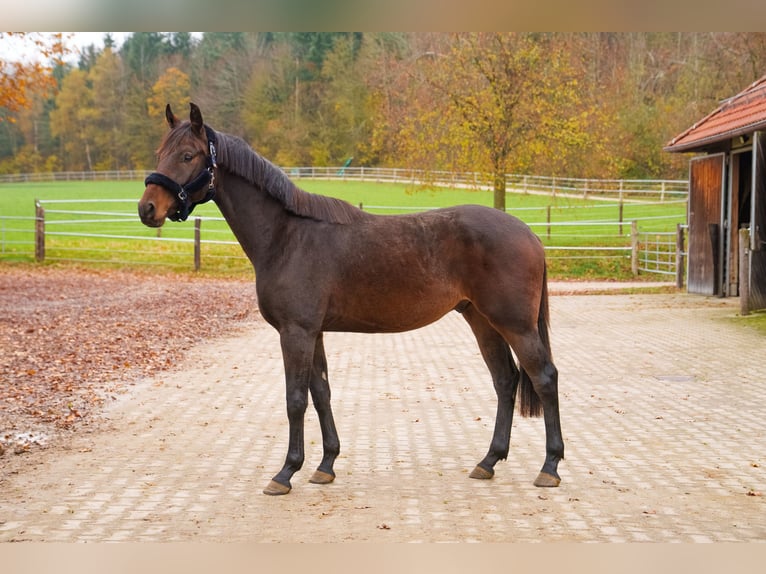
<point x="67" y="230"/>
<point x="624" y="189"/>
<point x="17" y="236"/>
<point x="53" y="176"/>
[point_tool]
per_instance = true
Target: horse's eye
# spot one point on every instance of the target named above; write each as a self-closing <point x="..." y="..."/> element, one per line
<point x="188" y="156"/>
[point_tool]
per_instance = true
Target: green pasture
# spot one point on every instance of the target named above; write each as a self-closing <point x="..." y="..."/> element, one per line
<point x="107" y="231"/>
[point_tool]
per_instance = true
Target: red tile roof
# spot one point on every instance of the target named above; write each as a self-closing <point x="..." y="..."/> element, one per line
<point x="738" y="115"/>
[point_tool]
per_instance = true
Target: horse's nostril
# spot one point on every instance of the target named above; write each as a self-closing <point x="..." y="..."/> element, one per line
<point x="146" y="210"/>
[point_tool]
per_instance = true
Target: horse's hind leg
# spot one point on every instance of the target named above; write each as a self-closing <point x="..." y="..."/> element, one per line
<point x="505" y="377"/>
<point x="536" y="363"/>
<point x="320" y="395"/>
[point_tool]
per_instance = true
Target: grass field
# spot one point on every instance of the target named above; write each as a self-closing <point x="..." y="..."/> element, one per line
<point x="756" y="320"/>
<point x="95" y="223"/>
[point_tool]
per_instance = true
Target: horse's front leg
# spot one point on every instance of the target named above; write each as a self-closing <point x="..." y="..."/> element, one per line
<point x="320" y="394"/>
<point x="298" y="354"/>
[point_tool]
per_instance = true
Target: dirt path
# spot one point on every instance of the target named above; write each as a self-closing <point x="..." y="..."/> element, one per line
<point x="662" y="410"/>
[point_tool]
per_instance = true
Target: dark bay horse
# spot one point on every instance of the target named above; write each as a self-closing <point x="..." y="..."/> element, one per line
<point x="321" y="264"/>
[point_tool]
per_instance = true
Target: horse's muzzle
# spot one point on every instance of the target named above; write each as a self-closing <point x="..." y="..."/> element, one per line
<point x="148" y="214"/>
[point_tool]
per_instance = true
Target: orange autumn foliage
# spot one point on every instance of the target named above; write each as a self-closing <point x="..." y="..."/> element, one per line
<point x="20" y="79"/>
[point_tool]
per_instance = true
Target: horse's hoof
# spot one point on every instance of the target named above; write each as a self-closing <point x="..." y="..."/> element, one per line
<point x="545" y="480"/>
<point x="482" y="473"/>
<point x="276" y="489"/>
<point x="320" y="477"/>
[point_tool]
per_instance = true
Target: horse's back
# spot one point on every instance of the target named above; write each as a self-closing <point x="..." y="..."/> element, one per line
<point x="458" y="243"/>
<point x="497" y="237"/>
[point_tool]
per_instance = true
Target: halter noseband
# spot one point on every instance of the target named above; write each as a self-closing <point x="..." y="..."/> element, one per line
<point x="183" y="192"/>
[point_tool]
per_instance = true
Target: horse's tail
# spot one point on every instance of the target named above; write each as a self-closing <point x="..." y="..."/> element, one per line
<point x="530" y="404"/>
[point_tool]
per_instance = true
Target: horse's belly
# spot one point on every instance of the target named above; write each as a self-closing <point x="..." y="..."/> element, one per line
<point x="392" y="314"/>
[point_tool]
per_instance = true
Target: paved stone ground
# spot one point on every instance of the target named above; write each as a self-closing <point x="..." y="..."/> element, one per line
<point x="663" y="412"/>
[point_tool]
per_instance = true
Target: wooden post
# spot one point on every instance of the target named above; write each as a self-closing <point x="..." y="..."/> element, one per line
<point x="744" y="271"/>
<point x="680" y="258"/>
<point x="197" y="249"/>
<point x="620" y="215"/>
<point x="634" y="247"/>
<point x="548" y="219"/>
<point x="39" y="232"/>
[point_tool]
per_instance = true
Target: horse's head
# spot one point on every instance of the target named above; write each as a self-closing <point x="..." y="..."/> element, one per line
<point x="185" y="171"/>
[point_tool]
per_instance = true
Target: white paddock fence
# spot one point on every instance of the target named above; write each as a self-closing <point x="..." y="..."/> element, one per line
<point x="109" y="231"/>
<point x="611" y="189"/>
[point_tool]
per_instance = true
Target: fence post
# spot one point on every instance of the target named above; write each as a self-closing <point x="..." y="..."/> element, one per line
<point x="634" y="247"/>
<point x="680" y="258"/>
<point x="620" y="209"/>
<point x="197" y="250"/>
<point x="744" y="271"/>
<point x="548" y="219"/>
<point x="39" y="232"/>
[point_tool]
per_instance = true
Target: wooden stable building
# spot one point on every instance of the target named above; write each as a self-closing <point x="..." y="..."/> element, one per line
<point x="727" y="198"/>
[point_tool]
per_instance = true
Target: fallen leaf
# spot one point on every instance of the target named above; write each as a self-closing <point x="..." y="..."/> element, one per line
<point x="76" y="336"/>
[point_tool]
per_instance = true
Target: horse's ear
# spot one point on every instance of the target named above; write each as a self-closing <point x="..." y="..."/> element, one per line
<point x="195" y="115"/>
<point x="170" y="117"/>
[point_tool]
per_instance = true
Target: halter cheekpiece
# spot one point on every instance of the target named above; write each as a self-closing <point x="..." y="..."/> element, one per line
<point x="183" y="192"/>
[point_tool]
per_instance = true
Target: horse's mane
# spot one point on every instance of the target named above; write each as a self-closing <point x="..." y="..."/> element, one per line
<point x="236" y="156"/>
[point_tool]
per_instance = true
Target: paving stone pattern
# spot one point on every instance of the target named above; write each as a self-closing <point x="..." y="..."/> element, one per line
<point x="662" y="406"/>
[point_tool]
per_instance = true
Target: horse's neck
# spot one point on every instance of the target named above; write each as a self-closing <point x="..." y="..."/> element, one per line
<point x="257" y="220"/>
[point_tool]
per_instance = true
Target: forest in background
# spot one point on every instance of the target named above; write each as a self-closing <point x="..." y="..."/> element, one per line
<point x="597" y="105"/>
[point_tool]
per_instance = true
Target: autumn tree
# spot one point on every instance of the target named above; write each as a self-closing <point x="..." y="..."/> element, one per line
<point x="107" y="86"/>
<point x="222" y="67"/>
<point x="72" y="121"/>
<point x="495" y="102"/>
<point x="34" y="149"/>
<point x="87" y="118"/>
<point x="172" y="88"/>
<point x="563" y="104"/>
<point x="270" y="113"/>
<point x="301" y="105"/>
<point x="342" y="123"/>
<point x="27" y="86"/>
<point x="19" y="79"/>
